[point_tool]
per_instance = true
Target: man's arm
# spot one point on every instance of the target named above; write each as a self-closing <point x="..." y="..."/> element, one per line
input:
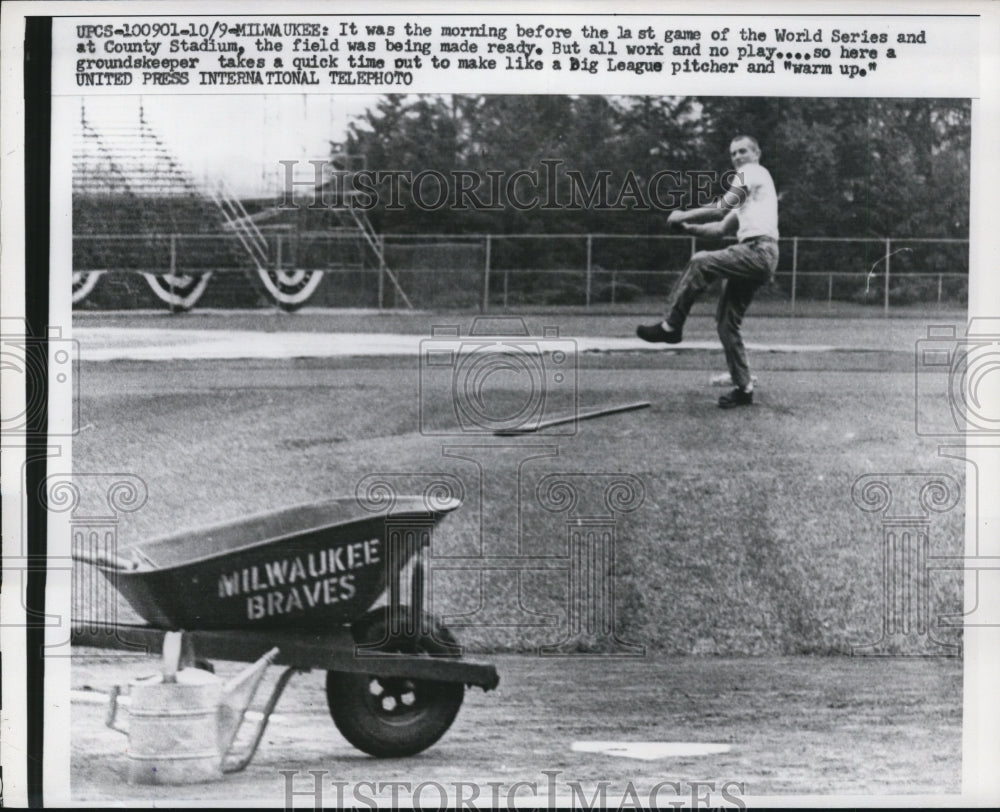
<point x="703" y="215"/>
<point x="719" y="210"/>
<point x="728" y="225"/>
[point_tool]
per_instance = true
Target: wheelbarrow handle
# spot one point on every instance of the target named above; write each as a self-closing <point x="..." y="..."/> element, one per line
<point x="103" y="559"/>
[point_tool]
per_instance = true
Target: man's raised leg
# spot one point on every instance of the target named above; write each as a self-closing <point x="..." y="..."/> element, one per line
<point x="699" y="273"/>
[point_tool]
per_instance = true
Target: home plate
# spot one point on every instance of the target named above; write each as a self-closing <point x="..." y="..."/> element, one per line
<point x="650" y="751"/>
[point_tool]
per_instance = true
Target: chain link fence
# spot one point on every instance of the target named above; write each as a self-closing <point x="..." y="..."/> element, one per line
<point x="596" y="271"/>
<point x="492" y="273"/>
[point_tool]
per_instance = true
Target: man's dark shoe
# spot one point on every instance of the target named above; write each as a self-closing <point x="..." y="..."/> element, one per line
<point x="655" y="333"/>
<point x="737" y="397"/>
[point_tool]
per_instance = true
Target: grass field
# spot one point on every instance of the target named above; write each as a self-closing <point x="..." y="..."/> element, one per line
<point x="747" y="540"/>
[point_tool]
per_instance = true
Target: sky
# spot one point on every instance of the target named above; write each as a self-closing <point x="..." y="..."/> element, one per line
<point x="237" y="139"/>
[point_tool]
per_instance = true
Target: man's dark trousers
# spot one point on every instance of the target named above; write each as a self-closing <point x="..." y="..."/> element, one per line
<point x="744" y="268"/>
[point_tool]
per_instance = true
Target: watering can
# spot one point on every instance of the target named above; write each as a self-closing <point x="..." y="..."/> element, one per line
<point x="183" y="723"/>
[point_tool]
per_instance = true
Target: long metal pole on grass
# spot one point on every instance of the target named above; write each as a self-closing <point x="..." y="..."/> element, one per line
<point x="558" y="421"/>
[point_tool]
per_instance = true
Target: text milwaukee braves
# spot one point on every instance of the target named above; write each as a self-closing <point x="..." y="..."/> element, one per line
<point x="301" y="582"/>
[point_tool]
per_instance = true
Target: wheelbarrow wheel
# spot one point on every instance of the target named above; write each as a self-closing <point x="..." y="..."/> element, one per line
<point x="390" y="717"/>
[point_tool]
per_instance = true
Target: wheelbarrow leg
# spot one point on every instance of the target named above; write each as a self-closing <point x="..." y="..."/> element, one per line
<point x="189" y="656"/>
<point x="237" y="764"/>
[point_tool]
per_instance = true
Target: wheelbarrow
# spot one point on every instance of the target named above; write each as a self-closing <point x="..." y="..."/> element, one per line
<point x="306" y="581"/>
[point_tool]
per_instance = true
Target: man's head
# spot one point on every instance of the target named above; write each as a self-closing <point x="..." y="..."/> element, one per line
<point x="744" y="149"/>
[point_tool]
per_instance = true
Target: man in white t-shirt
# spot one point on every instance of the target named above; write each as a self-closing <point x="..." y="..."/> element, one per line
<point x="750" y="209"/>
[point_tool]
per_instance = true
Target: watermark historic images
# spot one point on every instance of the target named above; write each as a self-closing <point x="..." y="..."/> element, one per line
<point x="550" y="790"/>
<point x="551" y="187"/>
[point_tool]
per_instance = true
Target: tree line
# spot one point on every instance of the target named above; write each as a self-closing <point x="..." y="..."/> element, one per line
<point x="843" y="167"/>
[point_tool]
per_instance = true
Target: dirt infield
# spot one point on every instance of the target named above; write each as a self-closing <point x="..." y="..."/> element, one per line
<point x="794" y="726"/>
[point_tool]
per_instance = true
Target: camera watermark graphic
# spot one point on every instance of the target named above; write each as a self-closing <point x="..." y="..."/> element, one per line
<point x="497" y="378"/>
<point x="962" y="371"/>
<point x="551" y="789"/>
<point x="957" y="397"/>
<point x="906" y="503"/>
<point x="48" y="366"/>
